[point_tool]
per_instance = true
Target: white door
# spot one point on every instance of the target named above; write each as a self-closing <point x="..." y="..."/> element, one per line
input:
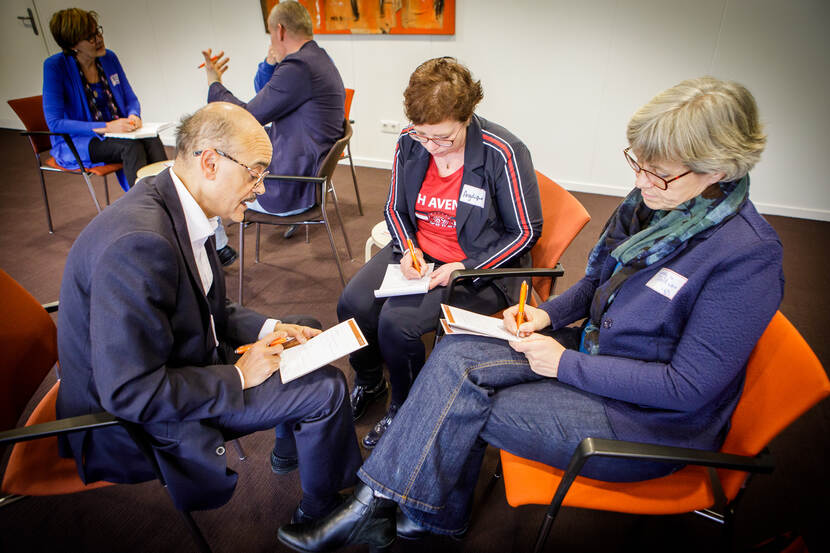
<point x="22" y="51"/>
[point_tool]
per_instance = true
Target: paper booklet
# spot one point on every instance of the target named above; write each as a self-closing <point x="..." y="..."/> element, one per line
<point x="147" y="130"/>
<point x="461" y="321"/>
<point x="324" y="348"/>
<point x="395" y="284"/>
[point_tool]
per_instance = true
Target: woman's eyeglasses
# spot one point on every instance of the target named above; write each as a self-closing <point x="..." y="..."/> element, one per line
<point x="99" y="31"/>
<point x="440" y="141"/>
<point x="653" y="178"/>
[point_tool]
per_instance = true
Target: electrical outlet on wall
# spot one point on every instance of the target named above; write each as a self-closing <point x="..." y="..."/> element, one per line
<point x="389" y="126"/>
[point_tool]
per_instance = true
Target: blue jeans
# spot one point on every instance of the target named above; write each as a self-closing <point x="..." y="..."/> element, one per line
<point x="473" y="391"/>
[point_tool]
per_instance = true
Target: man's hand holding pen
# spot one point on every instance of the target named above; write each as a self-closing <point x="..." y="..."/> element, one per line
<point x="262" y="358"/>
<point x="215" y="66"/>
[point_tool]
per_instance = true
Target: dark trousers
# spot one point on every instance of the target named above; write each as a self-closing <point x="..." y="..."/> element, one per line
<point x="133" y="154"/>
<point x="312" y="419"/>
<point x="394" y="326"/>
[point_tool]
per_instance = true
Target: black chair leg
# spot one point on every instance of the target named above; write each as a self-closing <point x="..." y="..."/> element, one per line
<point x="46" y="202"/>
<point x="198" y="537"/>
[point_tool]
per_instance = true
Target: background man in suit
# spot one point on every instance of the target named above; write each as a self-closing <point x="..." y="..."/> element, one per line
<point x="146" y="333"/>
<point x="301" y="93"/>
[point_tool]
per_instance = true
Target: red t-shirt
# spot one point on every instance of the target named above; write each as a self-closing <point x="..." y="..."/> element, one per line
<point x="435" y="213"/>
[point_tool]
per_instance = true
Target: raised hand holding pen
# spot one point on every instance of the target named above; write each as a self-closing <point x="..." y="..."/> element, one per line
<point x="213" y="68"/>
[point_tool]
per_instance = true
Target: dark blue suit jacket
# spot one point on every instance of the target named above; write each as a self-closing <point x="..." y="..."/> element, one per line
<point x="135" y="339"/>
<point x="304" y="100"/>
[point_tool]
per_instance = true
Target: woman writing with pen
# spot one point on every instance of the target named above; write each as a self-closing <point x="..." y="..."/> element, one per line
<point x="682" y="282"/>
<point x="86" y="94"/>
<point x="463" y="196"/>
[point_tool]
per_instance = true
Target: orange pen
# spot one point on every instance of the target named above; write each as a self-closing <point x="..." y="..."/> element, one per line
<point x="415" y="264"/>
<point x="520" y="314"/>
<point x="282" y="340"/>
<point x="214" y="58"/>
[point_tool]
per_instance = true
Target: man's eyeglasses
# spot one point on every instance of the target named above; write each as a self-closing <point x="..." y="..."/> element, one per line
<point x="653" y="178"/>
<point x="443" y="142"/>
<point x="254" y="173"/>
<point x="99" y="31"/>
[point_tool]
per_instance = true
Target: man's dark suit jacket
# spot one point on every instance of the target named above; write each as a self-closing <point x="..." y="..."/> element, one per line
<point x="304" y="100"/>
<point x="135" y="339"/>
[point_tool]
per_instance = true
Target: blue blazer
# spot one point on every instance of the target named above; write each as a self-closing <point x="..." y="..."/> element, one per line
<point x="66" y="109"/>
<point x="303" y="99"/>
<point x="672" y="369"/>
<point x="135" y="339"/>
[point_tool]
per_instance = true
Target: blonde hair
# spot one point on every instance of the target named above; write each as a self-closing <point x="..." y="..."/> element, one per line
<point x="706" y="124"/>
<point x="293" y="16"/>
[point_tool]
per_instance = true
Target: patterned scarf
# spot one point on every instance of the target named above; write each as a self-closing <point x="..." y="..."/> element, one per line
<point x="637" y="237"/>
<point x="90" y="93"/>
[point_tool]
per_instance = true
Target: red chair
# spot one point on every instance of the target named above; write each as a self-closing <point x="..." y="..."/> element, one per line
<point x="30" y="112"/>
<point x="784" y="378"/>
<point x="348" y="152"/>
<point x="28" y="350"/>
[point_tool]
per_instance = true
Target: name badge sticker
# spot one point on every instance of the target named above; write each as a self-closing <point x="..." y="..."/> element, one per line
<point x="115" y="80"/>
<point x="667" y="283"/>
<point x="472" y="195"/>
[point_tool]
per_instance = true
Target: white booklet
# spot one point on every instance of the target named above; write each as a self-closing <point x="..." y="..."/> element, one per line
<point x="395" y="284"/>
<point x="462" y="321"/>
<point x="324" y="348"/>
<point x="147" y="130"/>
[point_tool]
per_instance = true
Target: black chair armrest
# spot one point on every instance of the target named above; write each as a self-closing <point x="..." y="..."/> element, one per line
<point x="60" y="426"/>
<point x="67" y="139"/>
<point x="295" y="178"/>
<point x="464" y="274"/>
<point x="590" y="447"/>
<point x="50" y="307"/>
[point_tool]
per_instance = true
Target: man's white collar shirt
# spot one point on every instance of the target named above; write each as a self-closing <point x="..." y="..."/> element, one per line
<point x="199" y="229"/>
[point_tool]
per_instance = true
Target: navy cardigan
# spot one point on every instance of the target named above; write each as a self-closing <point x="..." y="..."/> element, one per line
<point x="672" y="370"/>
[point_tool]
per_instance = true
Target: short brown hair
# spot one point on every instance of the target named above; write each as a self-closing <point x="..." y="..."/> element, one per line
<point x="71" y="26"/>
<point x="293" y="16"/>
<point x="706" y="124"/>
<point x="441" y="89"/>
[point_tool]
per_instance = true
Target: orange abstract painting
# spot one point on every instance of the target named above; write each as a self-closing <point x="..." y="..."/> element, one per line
<point x="411" y="17"/>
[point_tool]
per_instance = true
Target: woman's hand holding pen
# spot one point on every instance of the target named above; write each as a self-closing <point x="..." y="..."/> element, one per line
<point x="215" y="66"/>
<point x="407" y="266"/>
<point x="135" y="120"/>
<point x="543" y="352"/>
<point x="534" y="319"/>
<point x="116" y="125"/>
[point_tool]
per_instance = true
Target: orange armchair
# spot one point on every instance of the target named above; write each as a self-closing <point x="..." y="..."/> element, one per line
<point x="28" y="350"/>
<point x="772" y="398"/>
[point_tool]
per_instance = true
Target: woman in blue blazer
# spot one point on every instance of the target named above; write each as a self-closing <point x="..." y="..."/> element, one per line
<point x="87" y="94"/>
<point x="681" y="284"/>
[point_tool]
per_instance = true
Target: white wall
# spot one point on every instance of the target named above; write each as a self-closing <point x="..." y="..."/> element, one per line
<point x="563" y="75"/>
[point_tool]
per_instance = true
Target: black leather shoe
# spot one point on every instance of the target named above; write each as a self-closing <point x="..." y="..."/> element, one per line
<point x="227" y="255"/>
<point x="407" y="528"/>
<point x="290" y="232"/>
<point x="362" y="518"/>
<point x="283" y="465"/>
<point x="371" y="439"/>
<point x="362" y="396"/>
<point x="300" y="516"/>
